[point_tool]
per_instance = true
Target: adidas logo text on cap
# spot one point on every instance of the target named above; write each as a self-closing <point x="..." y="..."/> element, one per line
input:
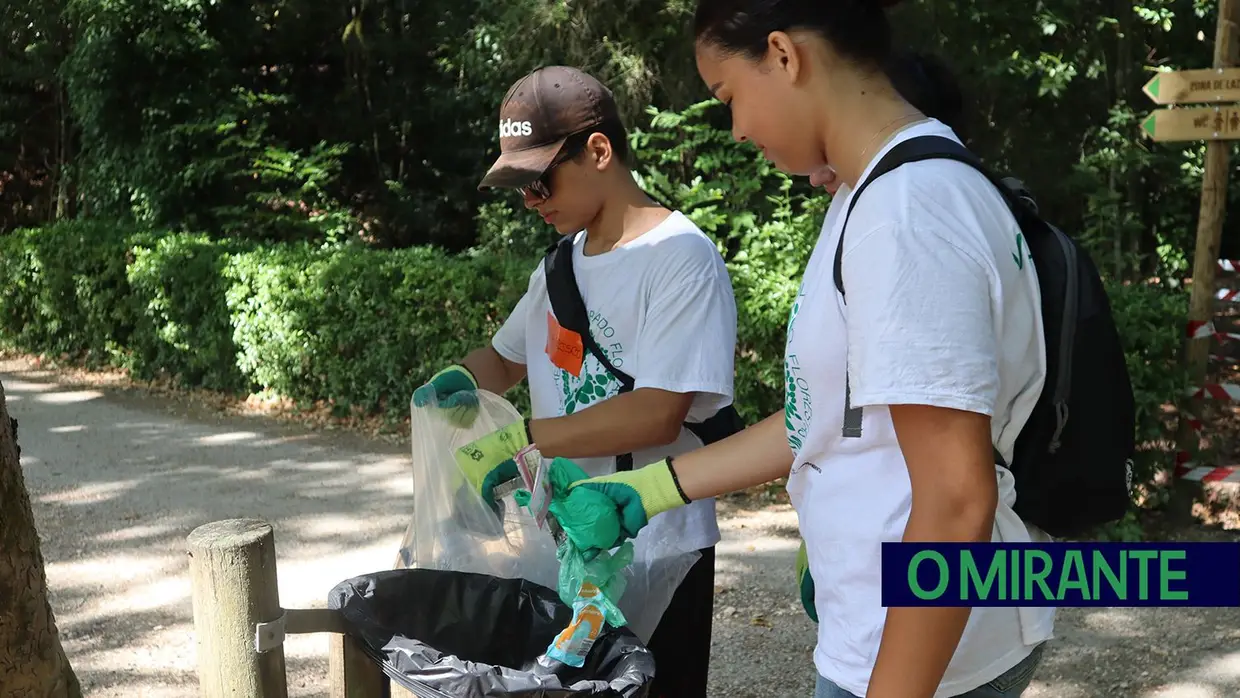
<point x="514" y="129"/>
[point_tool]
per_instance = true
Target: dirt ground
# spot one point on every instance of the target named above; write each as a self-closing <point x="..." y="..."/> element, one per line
<point x="119" y="476"/>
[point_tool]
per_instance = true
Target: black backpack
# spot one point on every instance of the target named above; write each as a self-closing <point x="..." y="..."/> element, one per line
<point x="1073" y="458"/>
<point x="570" y="312"/>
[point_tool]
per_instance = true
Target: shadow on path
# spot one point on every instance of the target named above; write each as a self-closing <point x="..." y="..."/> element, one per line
<point x="118" y="483"/>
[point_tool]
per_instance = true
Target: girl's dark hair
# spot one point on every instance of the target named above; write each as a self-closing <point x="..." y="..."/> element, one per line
<point x="927" y="83"/>
<point x="857" y="29"/>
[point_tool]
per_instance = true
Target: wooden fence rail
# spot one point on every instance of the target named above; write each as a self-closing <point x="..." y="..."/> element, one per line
<point x="240" y="627"/>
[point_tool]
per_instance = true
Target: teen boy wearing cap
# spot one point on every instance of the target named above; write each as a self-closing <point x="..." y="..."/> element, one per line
<point x="661" y="309"/>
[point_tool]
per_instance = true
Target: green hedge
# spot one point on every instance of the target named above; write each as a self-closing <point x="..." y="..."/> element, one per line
<point x="184" y="328"/>
<point x="360" y="328"/>
<point x="65" y="291"/>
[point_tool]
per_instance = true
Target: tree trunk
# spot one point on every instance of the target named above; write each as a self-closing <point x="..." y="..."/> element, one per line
<point x="32" y="662"/>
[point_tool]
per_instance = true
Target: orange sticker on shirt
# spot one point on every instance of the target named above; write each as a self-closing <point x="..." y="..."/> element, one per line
<point x="564" y="347"/>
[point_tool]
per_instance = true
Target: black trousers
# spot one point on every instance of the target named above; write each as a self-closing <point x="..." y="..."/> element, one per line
<point x="681" y="641"/>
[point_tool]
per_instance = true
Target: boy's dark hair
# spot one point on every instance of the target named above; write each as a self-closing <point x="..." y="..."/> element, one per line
<point x="619" y="136"/>
<point x="616" y="133"/>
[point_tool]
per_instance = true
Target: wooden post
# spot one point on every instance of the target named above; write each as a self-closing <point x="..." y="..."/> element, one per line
<point x="399" y="691"/>
<point x="352" y="674"/>
<point x="1205" y="257"/>
<point x="233" y="569"/>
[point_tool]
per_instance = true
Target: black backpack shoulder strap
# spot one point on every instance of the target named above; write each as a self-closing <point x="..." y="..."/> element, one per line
<point x="914" y="150"/>
<point x="926" y="148"/>
<point x="568" y="306"/>
<point x="570" y="311"/>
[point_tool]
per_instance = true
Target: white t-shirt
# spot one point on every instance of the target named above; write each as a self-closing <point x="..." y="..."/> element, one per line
<point x="942" y="309"/>
<point x="661" y="308"/>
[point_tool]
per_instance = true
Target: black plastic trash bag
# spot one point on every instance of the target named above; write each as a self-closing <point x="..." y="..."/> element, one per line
<point x="445" y="634"/>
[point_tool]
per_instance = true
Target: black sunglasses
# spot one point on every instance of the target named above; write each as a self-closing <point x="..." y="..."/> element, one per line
<point x="541" y="187"/>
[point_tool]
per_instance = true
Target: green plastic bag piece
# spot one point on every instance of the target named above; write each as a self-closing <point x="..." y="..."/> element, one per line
<point x="588" y="517"/>
<point x="605" y="572"/>
<point x="590" y="520"/>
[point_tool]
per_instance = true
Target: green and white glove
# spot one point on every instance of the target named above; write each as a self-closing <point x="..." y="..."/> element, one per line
<point x="639" y="495"/>
<point x="805" y="583"/>
<point x="489" y="462"/>
<point x="454" y="391"/>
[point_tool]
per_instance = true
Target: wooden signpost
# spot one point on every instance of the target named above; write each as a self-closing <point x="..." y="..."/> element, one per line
<point x="1218" y="126"/>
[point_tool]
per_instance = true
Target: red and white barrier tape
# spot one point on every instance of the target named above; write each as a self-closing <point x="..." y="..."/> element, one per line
<point x="1200" y="330"/>
<point x="1187" y="470"/>
<point x="1225" y="473"/>
<point x="1197" y="329"/>
<point x="1225" y="392"/>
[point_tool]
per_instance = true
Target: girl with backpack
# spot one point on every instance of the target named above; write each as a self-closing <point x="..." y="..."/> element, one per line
<point x="900" y="396"/>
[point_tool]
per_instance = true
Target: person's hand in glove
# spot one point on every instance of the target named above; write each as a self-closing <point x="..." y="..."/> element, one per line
<point x="638" y="495"/>
<point x="488" y="461"/>
<point x="454" y="390"/>
<point x="805" y="583"/>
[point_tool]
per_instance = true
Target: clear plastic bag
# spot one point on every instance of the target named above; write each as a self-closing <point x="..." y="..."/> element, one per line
<point x="657" y="570"/>
<point x="452" y="529"/>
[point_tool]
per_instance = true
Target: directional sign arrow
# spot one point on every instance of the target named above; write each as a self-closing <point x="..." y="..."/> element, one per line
<point x="1151" y="88"/>
<point x="1194" y="86"/>
<point x="1199" y="124"/>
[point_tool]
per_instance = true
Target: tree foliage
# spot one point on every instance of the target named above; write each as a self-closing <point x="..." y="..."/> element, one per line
<point x="374" y="119"/>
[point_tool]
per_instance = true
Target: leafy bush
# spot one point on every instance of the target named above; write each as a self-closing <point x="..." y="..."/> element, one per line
<point x="183" y="323"/>
<point x="1150" y="318"/>
<point x="362" y="326"/>
<point x="66" y="290"/>
<point x="359" y="327"/>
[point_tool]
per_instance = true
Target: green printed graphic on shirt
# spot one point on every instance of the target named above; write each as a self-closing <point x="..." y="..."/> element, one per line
<point x="1022" y="252"/>
<point x="797" y="409"/>
<point x="595" y="382"/>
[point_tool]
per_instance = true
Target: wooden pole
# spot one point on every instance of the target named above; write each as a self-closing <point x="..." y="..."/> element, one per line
<point x="1205" y="257"/>
<point x="233" y="568"/>
<point x="399" y="691"/>
<point x="352" y="674"/>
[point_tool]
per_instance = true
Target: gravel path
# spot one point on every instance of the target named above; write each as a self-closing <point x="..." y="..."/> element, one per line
<point x="119" y="478"/>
